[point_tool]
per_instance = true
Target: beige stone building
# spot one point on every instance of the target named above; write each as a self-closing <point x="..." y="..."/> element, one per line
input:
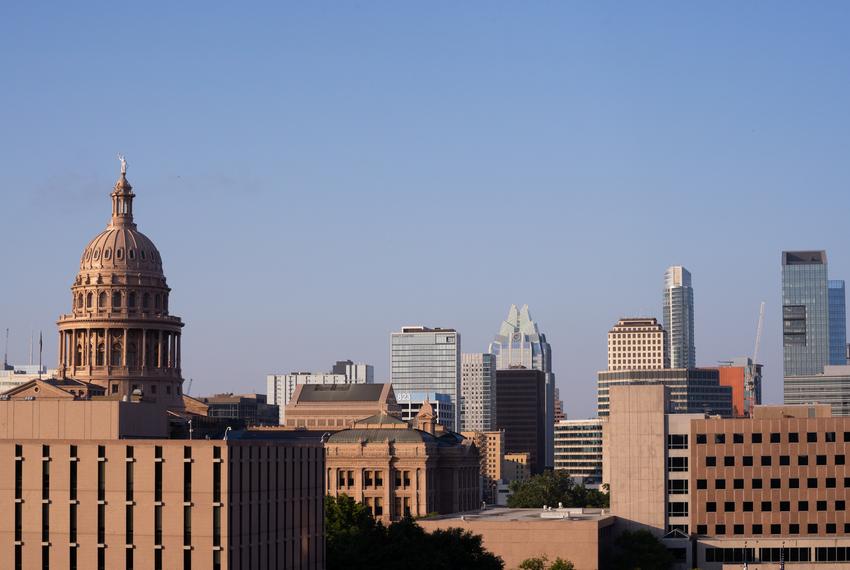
<point x="582" y="536"/>
<point x="491" y="450"/>
<point x="88" y="474"/>
<point x="724" y="491"/>
<point x="396" y="468"/>
<point x="517" y="466"/>
<point x="637" y="343"/>
<point x="338" y="406"/>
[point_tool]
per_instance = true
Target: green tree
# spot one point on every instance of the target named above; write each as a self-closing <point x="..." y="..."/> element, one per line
<point x="536" y="563"/>
<point x="640" y="550"/>
<point x="356" y="542"/>
<point x="553" y="487"/>
<point x="561" y="564"/>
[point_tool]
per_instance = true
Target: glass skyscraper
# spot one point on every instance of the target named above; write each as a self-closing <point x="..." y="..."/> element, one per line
<point x="837" y="323"/>
<point x="520" y="344"/>
<point x="805" y="312"/>
<point x="679" y="317"/>
<point x="427" y="360"/>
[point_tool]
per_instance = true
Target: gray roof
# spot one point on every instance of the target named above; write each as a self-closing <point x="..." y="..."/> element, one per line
<point x="341" y="393"/>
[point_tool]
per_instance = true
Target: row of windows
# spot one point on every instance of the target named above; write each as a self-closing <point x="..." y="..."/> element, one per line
<point x="774" y="437"/>
<point x="159" y="301"/>
<point x="740" y="555"/>
<point x="783" y="460"/>
<point x="767" y="506"/>
<point x="119" y="254"/>
<point x="774" y="529"/>
<point x="776" y="483"/>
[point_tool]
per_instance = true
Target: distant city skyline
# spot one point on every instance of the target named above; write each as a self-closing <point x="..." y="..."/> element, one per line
<point x="317" y="179"/>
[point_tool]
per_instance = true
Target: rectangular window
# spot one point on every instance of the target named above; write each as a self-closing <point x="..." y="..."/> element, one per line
<point x="157" y="481"/>
<point x="758" y="529"/>
<point x="784" y="506"/>
<point x="128" y="475"/>
<point x="72" y="523"/>
<point x="813" y="528"/>
<point x="157" y="525"/>
<point x="821" y="505"/>
<point x="802" y="460"/>
<point x="803" y="506"/>
<point x="830" y="482"/>
<point x="187" y="526"/>
<point x="747" y="506"/>
<point x="840" y="506"/>
<point x="128" y="524"/>
<point x="729" y="461"/>
<point x="187" y="482"/>
<point x="775" y="483"/>
<point x="720" y="483"/>
<point x="720" y="529"/>
<point x="756" y="438"/>
<point x="766" y="506"/>
<point x="711" y="507"/>
<point x="18" y="521"/>
<point x="720" y="438"/>
<point x="812" y="437"/>
<point x="812" y="483"/>
<point x="820" y="459"/>
<point x="45" y="522"/>
<point x="701" y="438"/>
<point x="702" y="484"/>
<point x="216" y="526"/>
<point x="677" y="441"/>
<point x="738" y="529"/>
<point x="729" y="506"/>
<point x="766" y="460"/>
<point x="757" y="483"/>
<point x="747" y="460"/>
<point x="793" y="437"/>
<point x="839" y="459"/>
<point x="774" y="438"/>
<point x="101" y="481"/>
<point x="101" y="522"/>
<point x="793" y="528"/>
<point x="737" y="483"/>
<point x="677" y="464"/>
<point x="737" y="438"/>
<point x="775" y="529"/>
<point x="216" y="482"/>
<point x="677" y="509"/>
<point x="702" y="529"/>
<point x="793" y="483"/>
<point x="710" y="461"/>
<point x="677" y="486"/>
<point x="784" y="460"/>
<point x="19" y="478"/>
<point x="830" y="437"/>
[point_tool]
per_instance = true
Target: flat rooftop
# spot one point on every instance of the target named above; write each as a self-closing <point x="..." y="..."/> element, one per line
<point x="505" y="514"/>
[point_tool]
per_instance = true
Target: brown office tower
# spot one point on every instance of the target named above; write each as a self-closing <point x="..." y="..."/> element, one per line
<point x="521" y="413"/>
<point x="89" y="478"/>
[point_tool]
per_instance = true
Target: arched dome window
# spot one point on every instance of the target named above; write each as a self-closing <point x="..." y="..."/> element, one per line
<point x="146" y="300"/>
<point x="89" y="300"/>
<point x="101" y="353"/>
<point x="116" y="300"/>
<point x="80" y="301"/>
<point x="165" y="303"/>
<point x="107" y="253"/>
<point x="157" y="301"/>
<point x="131" y="253"/>
<point x="101" y="300"/>
<point x="115" y="356"/>
<point x="142" y="253"/>
<point x="78" y="358"/>
<point x="131" y="300"/>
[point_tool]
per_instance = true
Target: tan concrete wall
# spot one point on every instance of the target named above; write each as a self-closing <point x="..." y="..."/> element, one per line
<point x="634" y="456"/>
<point x="514" y="541"/>
<point x="81" y="419"/>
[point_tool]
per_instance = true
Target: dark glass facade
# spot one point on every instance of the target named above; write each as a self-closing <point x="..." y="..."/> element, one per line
<point x="805" y="312"/>
<point x="837" y="322"/>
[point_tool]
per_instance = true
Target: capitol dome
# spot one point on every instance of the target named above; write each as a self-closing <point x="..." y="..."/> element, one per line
<point x="121" y="247"/>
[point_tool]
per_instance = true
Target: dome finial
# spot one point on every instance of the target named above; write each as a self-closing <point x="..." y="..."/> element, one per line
<point x="123" y="164"/>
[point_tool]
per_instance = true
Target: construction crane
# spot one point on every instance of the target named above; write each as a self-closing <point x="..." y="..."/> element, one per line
<point x="758" y="333"/>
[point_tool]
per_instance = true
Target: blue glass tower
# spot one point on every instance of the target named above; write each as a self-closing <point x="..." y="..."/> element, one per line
<point x="805" y="312"/>
<point x="837" y="323"/>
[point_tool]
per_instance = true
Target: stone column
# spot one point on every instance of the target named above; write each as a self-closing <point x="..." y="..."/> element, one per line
<point x="124" y="350"/>
<point x="144" y="351"/>
<point x="159" y="349"/>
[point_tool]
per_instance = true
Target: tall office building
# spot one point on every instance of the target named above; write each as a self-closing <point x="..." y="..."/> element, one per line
<point x="426" y="359"/>
<point x="637" y="343"/>
<point x="477" y="392"/>
<point x="520" y="402"/>
<point x="837" y="322"/>
<point x="520" y="343"/>
<point x="679" y="317"/>
<point x="805" y="312"/>
<point x="281" y="387"/>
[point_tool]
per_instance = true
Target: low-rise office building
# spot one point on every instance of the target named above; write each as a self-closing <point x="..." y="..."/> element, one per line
<point x="578" y="450"/>
<point x="491" y="450"/>
<point x="337" y="406"/>
<point x="244" y="409"/>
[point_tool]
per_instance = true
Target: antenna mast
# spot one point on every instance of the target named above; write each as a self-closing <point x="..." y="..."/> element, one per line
<point x="6" y="351"/>
<point x="758" y="333"/>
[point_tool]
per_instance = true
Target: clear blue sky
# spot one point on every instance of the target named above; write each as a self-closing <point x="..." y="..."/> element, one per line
<point x="318" y="174"/>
